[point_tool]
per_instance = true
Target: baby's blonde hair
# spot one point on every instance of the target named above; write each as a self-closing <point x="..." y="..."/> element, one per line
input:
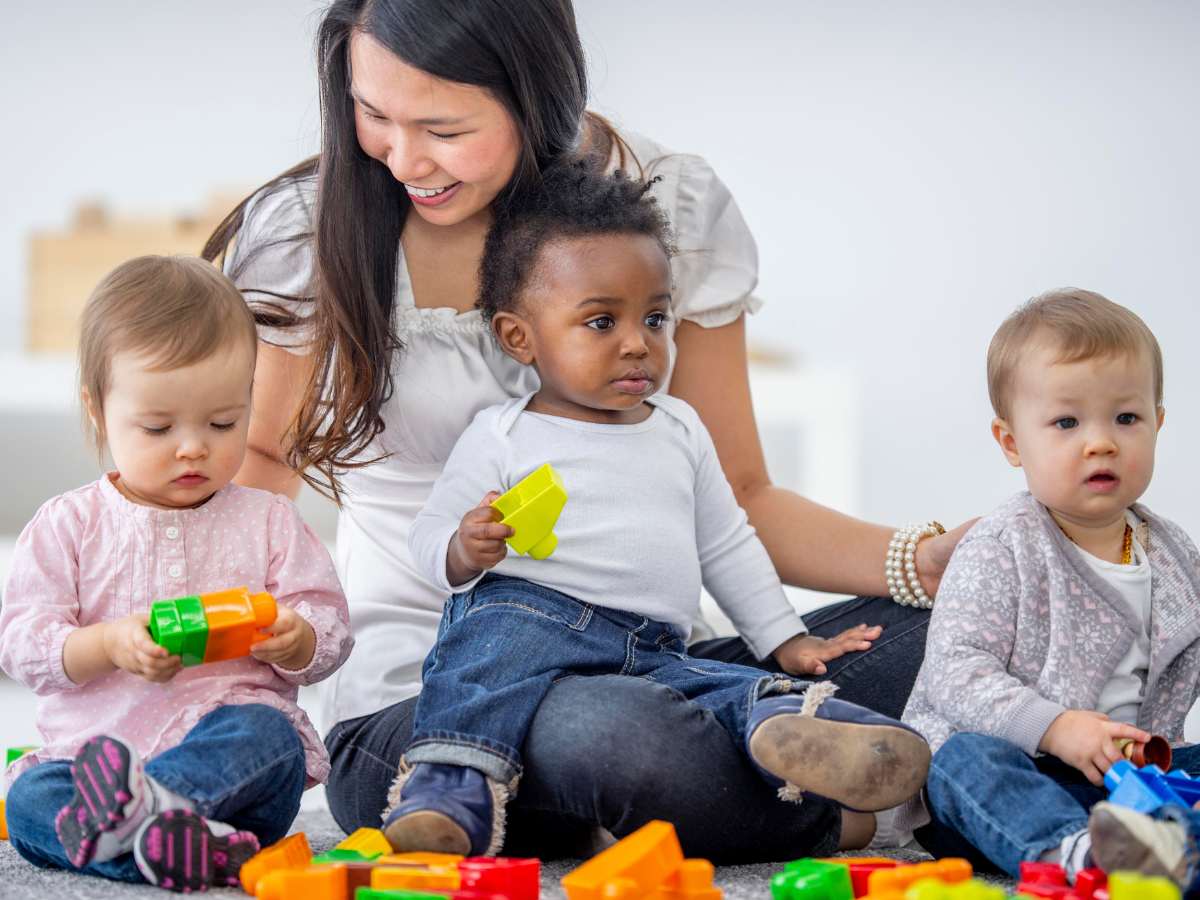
<point x="175" y="309"/>
<point x="1081" y="324"/>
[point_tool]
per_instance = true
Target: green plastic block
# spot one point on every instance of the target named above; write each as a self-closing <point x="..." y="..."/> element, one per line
<point x="181" y="626"/>
<point x="15" y="753"/>
<point x="335" y="855"/>
<point x="1132" y="886"/>
<point x="366" y="893"/>
<point x="810" y="879"/>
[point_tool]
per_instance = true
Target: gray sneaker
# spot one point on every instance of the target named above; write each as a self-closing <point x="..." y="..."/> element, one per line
<point x="1124" y="839"/>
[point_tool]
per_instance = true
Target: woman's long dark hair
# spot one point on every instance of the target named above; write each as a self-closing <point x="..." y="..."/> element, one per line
<point x="528" y="55"/>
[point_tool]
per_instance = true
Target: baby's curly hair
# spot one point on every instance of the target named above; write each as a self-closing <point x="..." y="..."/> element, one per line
<point x="572" y="201"/>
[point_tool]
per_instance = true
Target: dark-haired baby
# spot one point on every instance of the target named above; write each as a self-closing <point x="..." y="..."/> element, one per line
<point x="576" y="283"/>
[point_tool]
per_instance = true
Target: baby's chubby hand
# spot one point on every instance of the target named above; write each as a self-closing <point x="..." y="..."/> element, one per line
<point x="291" y="644"/>
<point x="1086" y="739"/>
<point x="478" y="545"/>
<point x="806" y="654"/>
<point x="129" y="647"/>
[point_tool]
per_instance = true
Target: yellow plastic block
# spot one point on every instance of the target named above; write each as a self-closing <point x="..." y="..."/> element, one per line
<point x="932" y="889"/>
<point x="369" y="842"/>
<point x="645" y="859"/>
<point x="531" y="508"/>
<point x="693" y="880"/>
<point x="290" y="853"/>
<point x="311" y="883"/>
<point x="412" y="878"/>
<point x="1131" y="886"/>
<point x="900" y="878"/>
<point x="3" y="822"/>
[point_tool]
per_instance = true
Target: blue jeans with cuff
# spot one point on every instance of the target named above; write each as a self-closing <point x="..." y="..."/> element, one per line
<point x="613" y="752"/>
<point x="993" y="804"/>
<point x="504" y="643"/>
<point x="242" y="765"/>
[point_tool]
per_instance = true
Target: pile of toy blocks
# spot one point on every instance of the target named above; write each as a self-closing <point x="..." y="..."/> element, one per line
<point x="646" y="865"/>
<point x="950" y="879"/>
<point x="363" y="867"/>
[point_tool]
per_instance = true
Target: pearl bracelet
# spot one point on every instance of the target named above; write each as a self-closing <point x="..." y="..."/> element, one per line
<point x="901" y="566"/>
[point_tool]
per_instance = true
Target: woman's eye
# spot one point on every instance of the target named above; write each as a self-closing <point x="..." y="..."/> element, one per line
<point x="446" y="137"/>
<point x="1127" y="418"/>
<point x="1066" y="422"/>
<point x="601" y="323"/>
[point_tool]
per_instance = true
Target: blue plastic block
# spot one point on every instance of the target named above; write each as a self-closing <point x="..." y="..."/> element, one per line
<point x="1148" y="788"/>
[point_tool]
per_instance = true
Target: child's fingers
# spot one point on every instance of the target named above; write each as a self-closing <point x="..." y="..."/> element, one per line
<point x="1122" y="730"/>
<point x="277" y="644"/>
<point x="488" y="531"/>
<point x="143" y="643"/>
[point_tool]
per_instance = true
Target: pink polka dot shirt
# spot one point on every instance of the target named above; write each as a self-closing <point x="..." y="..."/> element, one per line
<point x="91" y="555"/>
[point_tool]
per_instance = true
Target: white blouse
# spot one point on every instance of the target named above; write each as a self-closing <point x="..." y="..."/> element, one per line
<point x="450" y="369"/>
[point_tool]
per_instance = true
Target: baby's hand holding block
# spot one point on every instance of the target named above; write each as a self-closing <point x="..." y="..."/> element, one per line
<point x="212" y="627"/>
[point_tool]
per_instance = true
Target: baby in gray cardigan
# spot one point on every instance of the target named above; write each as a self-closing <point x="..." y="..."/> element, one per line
<point x="1068" y="620"/>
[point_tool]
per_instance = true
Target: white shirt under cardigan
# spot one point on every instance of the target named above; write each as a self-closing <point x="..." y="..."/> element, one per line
<point x="649" y="516"/>
<point x="450" y="369"/>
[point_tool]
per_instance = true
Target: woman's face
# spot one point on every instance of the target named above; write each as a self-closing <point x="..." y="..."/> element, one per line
<point x="453" y="146"/>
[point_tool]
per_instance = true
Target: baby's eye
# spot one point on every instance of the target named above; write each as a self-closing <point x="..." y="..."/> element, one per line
<point x="1127" y="418"/>
<point x="601" y="323"/>
<point x="1066" y="422"/>
<point x="224" y="426"/>
<point x="160" y="429"/>
<point x="656" y="320"/>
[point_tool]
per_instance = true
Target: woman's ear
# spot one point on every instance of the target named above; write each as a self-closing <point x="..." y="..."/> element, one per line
<point x="515" y="336"/>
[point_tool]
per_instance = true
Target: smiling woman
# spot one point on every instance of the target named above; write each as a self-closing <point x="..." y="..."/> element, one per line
<point x="362" y="267"/>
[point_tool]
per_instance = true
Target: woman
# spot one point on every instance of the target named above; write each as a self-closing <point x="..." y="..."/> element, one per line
<point x="433" y="112"/>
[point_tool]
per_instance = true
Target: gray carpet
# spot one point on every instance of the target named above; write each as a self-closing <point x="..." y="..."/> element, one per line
<point x="21" y="881"/>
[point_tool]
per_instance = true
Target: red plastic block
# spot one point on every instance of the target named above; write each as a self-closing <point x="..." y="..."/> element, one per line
<point x="517" y="879"/>
<point x="861" y="868"/>
<point x="1042" y="873"/>
<point x="1088" y="882"/>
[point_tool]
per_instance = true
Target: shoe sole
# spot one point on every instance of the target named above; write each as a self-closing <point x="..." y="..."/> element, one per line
<point x="178" y="851"/>
<point x="428" y="830"/>
<point x="1121" y="845"/>
<point x="863" y="767"/>
<point x="100" y="774"/>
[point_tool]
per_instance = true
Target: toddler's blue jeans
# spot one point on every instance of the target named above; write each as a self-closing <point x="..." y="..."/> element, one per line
<point x="242" y="765"/>
<point x="502" y="644"/>
<point x="997" y="806"/>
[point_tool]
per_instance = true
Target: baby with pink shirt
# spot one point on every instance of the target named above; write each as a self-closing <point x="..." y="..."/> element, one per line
<point x="167" y="355"/>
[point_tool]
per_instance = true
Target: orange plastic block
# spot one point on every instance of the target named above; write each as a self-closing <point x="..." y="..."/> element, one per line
<point x="422" y="859"/>
<point x="235" y="622"/>
<point x="639" y="864"/>
<point x="336" y="882"/>
<point x="693" y="880"/>
<point x="861" y="868"/>
<point x="3" y="822"/>
<point x="516" y="879"/>
<point x="290" y="853"/>
<point x="898" y="879"/>
<point x="433" y="878"/>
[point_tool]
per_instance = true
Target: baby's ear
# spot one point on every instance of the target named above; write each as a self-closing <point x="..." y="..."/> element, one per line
<point x="1004" y="436"/>
<point x="514" y="335"/>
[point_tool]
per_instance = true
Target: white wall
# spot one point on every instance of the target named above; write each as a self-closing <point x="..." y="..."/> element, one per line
<point x="912" y="171"/>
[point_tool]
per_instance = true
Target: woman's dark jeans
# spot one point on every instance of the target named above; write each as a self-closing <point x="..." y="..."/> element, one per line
<point x="617" y="751"/>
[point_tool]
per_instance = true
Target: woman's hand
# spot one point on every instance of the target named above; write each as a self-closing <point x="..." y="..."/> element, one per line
<point x="806" y="654"/>
<point x="291" y="644"/>
<point x="1087" y="740"/>
<point x="129" y="647"/>
<point x="479" y="544"/>
<point x="933" y="555"/>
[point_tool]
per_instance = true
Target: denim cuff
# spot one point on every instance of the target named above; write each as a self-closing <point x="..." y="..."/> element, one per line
<point x="463" y="750"/>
